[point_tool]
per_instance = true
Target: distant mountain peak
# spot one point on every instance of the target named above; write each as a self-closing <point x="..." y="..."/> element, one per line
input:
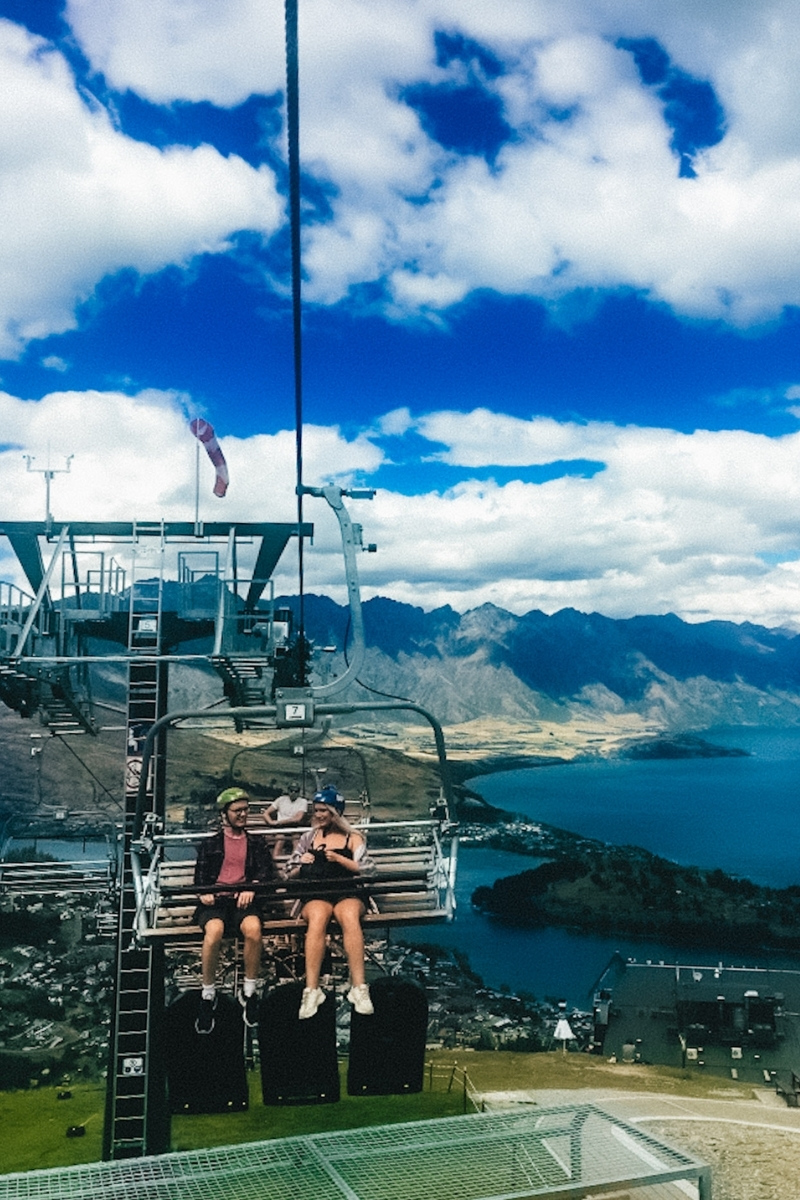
<point x="490" y="662"/>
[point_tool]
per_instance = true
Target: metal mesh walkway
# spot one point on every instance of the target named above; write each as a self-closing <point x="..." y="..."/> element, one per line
<point x="567" y="1151"/>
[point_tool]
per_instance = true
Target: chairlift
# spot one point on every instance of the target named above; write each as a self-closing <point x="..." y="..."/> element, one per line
<point x="415" y="858"/>
<point x="70" y="872"/>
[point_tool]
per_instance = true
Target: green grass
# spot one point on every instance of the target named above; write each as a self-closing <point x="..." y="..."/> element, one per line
<point x="34" y="1123"/>
<point x="351" y="1112"/>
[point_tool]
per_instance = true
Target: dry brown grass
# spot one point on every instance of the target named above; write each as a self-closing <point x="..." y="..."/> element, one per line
<point x="499" y="1071"/>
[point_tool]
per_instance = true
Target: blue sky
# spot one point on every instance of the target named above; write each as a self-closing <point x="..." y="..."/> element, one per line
<point x="552" y="292"/>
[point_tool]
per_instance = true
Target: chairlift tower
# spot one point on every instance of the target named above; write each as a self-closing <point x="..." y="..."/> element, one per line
<point x="134" y="594"/>
<point x="131" y="593"/>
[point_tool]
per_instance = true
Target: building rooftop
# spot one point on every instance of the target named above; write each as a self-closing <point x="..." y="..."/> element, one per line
<point x="742" y="1022"/>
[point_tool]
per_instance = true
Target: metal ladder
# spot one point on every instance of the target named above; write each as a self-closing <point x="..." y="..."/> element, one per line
<point x="137" y="1118"/>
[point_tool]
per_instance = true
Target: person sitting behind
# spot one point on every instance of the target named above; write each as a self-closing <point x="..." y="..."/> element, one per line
<point x="289" y="809"/>
<point x="235" y="857"/>
<point x="336" y="855"/>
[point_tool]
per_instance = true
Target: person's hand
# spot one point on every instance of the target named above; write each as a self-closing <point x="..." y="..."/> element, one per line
<point x="308" y="857"/>
<point x="244" y="899"/>
<point x="207" y="900"/>
<point x="335" y="857"/>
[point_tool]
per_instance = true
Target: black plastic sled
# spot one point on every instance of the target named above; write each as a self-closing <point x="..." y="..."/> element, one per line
<point x="387" y="1049"/>
<point x="205" y="1072"/>
<point x="299" y="1064"/>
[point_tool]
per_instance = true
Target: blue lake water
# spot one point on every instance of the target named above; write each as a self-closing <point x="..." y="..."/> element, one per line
<point x="741" y="814"/>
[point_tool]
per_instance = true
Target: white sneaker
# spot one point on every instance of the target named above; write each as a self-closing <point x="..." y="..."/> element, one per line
<point x="360" y="999"/>
<point x="312" y="998"/>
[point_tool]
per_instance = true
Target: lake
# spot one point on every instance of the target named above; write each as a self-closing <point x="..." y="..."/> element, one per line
<point x="741" y="814"/>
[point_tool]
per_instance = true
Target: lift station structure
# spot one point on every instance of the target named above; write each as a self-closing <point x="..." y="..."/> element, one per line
<point x="143" y="597"/>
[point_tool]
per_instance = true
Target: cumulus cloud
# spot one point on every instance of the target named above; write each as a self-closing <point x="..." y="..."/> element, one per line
<point x="701" y="524"/>
<point x="584" y="194"/>
<point x="217" y="50"/>
<point x="79" y="201"/>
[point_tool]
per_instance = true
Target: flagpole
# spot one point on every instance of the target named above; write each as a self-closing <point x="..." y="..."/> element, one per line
<point x="196" y="488"/>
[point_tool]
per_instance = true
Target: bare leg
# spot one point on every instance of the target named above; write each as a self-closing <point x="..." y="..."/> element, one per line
<point x="348" y="913"/>
<point x="317" y="914"/>
<point x="251" y="933"/>
<point x="212" y="939"/>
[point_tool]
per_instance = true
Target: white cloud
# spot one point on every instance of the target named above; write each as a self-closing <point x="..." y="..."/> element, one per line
<point x="701" y="524"/>
<point x="135" y="458"/>
<point x="218" y="50"/>
<point x="689" y="523"/>
<point x="79" y="201"/>
<point x="590" y="202"/>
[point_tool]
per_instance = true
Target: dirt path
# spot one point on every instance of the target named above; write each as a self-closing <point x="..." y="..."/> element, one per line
<point x="752" y="1145"/>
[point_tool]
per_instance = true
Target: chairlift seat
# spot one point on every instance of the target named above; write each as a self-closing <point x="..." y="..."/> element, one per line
<point x="410" y="886"/>
<point x="55" y="878"/>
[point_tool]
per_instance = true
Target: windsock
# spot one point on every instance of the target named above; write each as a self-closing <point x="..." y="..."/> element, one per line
<point x="205" y="433"/>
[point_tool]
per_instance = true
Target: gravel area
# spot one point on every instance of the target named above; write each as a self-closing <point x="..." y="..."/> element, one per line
<point x="750" y="1162"/>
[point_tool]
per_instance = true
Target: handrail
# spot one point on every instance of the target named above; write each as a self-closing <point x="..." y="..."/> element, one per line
<point x="371" y="827"/>
<point x="41" y="594"/>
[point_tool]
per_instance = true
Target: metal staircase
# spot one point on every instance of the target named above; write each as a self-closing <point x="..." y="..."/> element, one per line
<point x="137" y="1121"/>
<point x="18" y="690"/>
<point x="245" y="680"/>
<point x="61" y="709"/>
<point x="58" y="694"/>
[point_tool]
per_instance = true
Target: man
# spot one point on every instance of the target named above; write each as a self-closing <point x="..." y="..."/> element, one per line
<point x="232" y="857"/>
<point x="289" y="809"/>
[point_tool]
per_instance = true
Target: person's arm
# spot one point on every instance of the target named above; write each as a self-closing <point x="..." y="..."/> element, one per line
<point x="366" y="863"/>
<point x="301" y="854"/>
<point x="203" y="872"/>
<point x="360" y="863"/>
<point x="270" y="814"/>
<point x="259" y="868"/>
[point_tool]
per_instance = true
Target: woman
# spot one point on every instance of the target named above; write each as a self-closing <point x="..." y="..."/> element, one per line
<point x="332" y="852"/>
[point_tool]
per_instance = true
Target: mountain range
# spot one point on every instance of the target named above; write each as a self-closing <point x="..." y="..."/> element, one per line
<point x="489" y="662"/>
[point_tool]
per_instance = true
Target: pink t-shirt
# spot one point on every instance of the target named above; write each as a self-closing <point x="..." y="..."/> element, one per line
<point x="233" y="864"/>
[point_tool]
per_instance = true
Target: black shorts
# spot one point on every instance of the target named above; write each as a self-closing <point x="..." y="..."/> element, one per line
<point x="348" y="891"/>
<point x="224" y="909"/>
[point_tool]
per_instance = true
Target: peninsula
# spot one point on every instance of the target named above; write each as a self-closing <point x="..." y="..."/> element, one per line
<point x="594" y="887"/>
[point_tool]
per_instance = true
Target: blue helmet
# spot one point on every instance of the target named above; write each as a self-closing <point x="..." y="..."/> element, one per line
<point x="331" y="797"/>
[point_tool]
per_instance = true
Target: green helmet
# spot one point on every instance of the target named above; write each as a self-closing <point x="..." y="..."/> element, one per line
<point x="229" y="796"/>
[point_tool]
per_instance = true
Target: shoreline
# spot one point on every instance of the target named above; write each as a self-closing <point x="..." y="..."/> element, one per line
<point x="600" y="888"/>
<point x="652" y="747"/>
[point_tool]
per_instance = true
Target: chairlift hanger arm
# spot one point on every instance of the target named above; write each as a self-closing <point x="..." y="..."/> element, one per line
<point x="271" y="710"/>
<point x="351" y="538"/>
